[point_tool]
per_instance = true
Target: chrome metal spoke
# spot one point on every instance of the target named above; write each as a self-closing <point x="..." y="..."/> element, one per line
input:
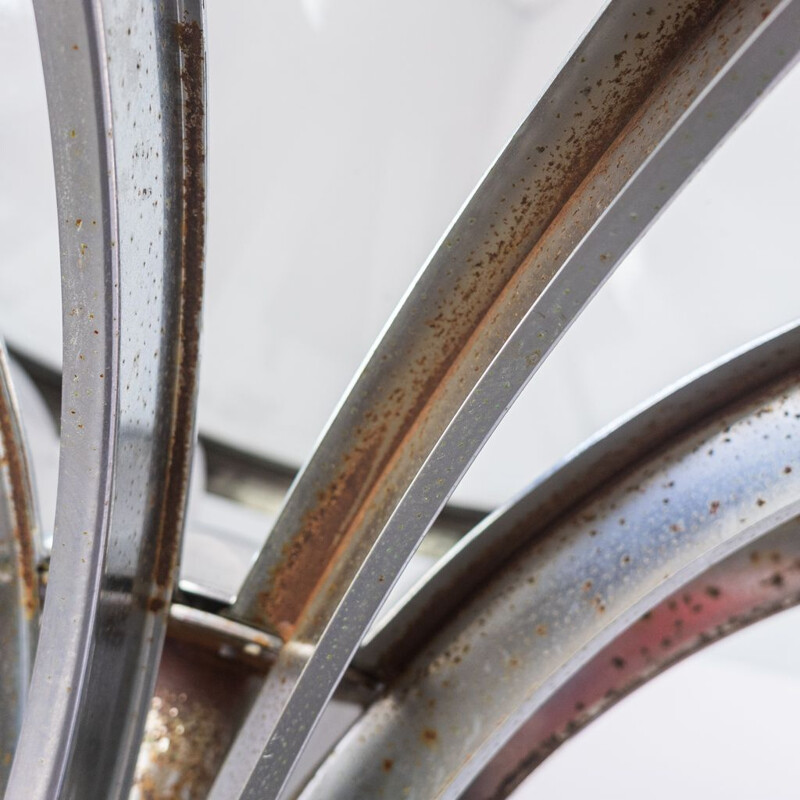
<point x="125" y="88"/>
<point x="19" y="582"/>
<point x="575" y="576"/>
<point x="380" y="475"/>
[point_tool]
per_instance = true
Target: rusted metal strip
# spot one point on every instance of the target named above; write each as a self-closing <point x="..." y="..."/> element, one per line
<point x="126" y="91"/>
<point x="19" y="582"/>
<point x="572" y="586"/>
<point x="542" y="195"/>
<point x="715" y="77"/>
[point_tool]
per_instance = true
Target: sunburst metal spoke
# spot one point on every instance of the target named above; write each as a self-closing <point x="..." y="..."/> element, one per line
<point x="125" y="87"/>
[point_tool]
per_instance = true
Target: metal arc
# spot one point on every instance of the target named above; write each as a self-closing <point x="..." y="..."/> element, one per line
<point x="754" y="583"/>
<point x="125" y="88"/>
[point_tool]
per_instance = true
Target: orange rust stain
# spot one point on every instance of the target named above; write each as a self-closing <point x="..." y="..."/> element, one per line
<point x="190" y="42"/>
<point x="23" y="526"/>
<point x="155" y="604"/>
<point x="429" y="736"/>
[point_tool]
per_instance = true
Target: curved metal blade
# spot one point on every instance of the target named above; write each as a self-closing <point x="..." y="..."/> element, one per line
<point x="754" y="583"/>
<point x="125" y="86"/>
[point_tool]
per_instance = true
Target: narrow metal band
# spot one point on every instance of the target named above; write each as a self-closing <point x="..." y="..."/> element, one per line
<point x="19" y="584"/>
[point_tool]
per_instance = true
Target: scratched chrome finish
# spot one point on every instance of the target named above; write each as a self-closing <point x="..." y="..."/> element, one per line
<point x="720" y="75"/>
<point x="754" y="583"/>
<point x="125" y="90"/>
<point x="569" y="589"/>
<point x="19" y="584"/>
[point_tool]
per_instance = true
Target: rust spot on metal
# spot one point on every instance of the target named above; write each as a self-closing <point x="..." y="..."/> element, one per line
<point x="430" y="736"/>
<point x="181" y="739"/>
<point x="20" y="496"/>
<point x="190" y="42"/>
<point x="775" y="580"/>
<point x="294" y="581"/>
<point x="155" y="604"/>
